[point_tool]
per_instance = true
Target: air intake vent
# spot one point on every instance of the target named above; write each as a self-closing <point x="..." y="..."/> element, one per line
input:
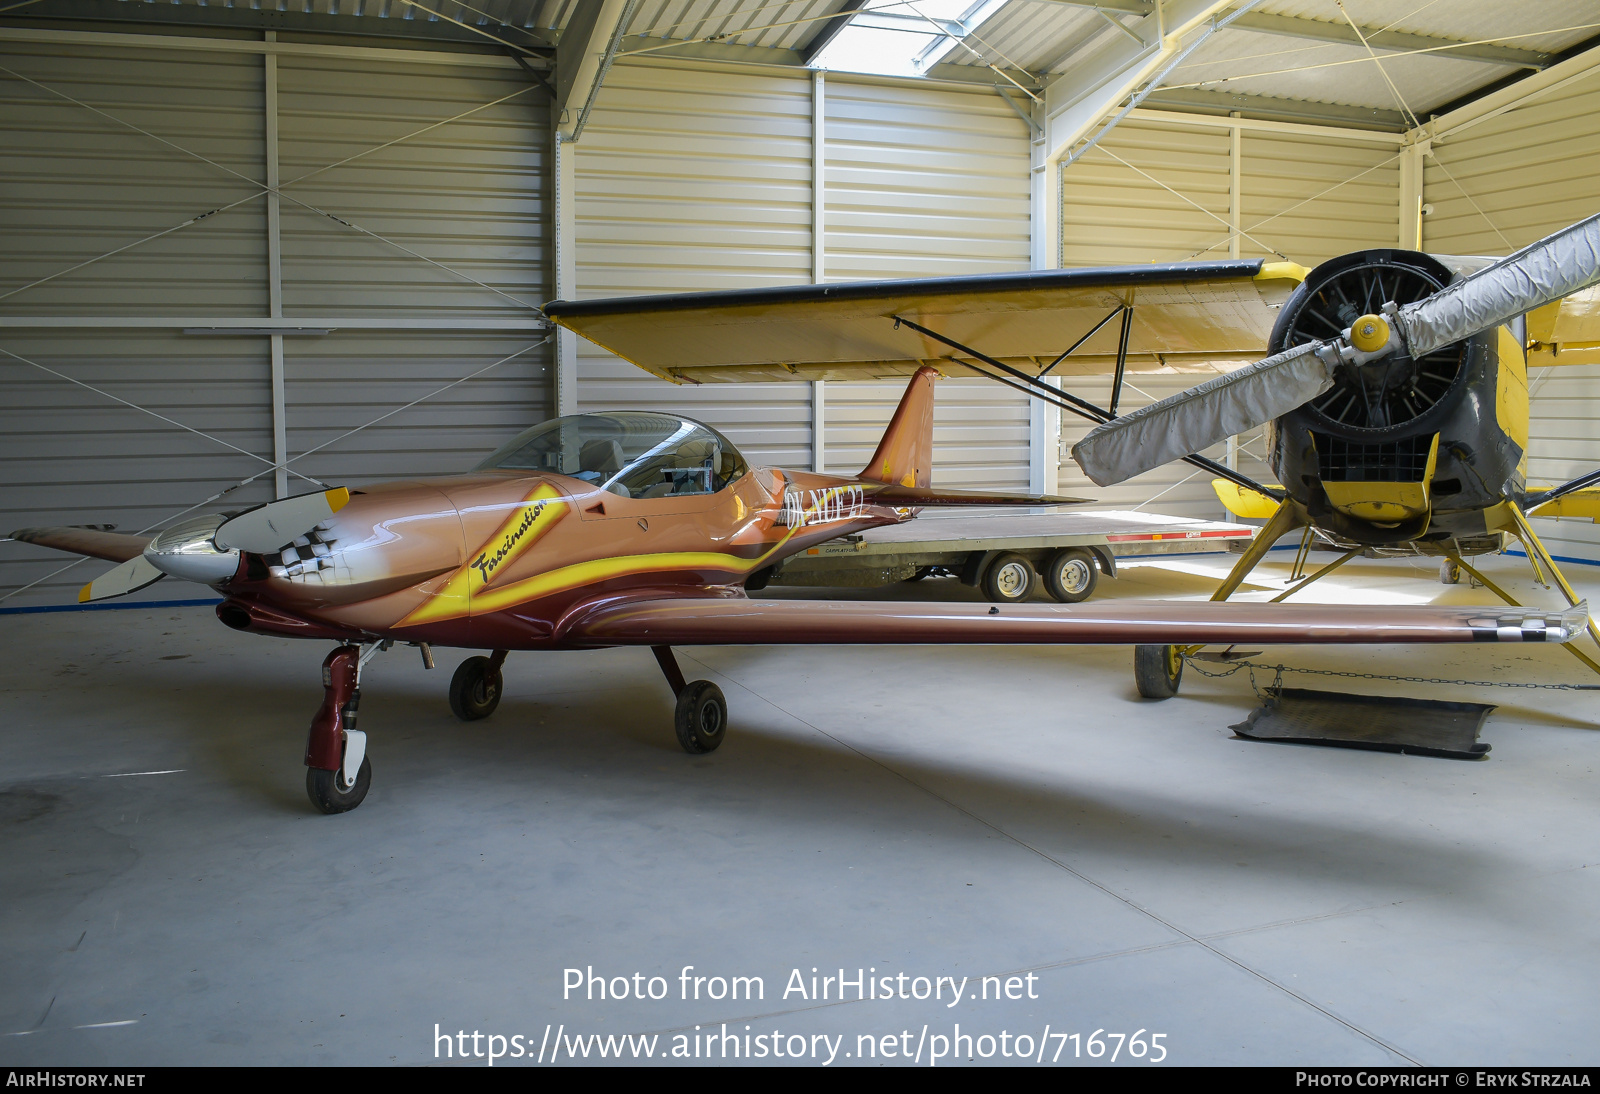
<point x="1394" y="461"/>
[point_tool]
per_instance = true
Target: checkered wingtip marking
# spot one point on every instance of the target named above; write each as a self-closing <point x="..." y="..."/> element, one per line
<point x="1531" y="625"/>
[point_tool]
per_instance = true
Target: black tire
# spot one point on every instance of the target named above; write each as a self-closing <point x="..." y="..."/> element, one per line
<point x="322" y="786"/>
<point x="1449" y="572"/>
<point x="1071" y="575"/>
<point x="1010" y="579"/>
<point x="701" y="719"/>
<point x="475" y="689"/>
<point x="1157" y="671"/>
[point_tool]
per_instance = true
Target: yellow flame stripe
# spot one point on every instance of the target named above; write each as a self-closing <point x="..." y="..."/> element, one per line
<point x="451" y="601"/>
<point x="487" y="600"/>
<point x="604" y="569"/>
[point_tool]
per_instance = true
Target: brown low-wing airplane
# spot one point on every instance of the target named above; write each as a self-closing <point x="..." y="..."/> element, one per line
<point x="644" y="529"/>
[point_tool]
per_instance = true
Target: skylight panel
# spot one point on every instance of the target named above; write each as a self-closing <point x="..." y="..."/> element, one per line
<point x="903" y="37"/>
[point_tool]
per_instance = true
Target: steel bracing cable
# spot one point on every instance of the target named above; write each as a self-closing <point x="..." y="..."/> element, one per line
<point x="219" y="495"/>
<point x="1387" y="53"/>
<point x="154" y="414"/>
<point x="1181" y="197"/>
<point x="269" y="189"/>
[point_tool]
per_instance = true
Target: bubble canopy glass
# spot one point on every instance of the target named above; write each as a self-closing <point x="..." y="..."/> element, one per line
<point x="632" y="453"/>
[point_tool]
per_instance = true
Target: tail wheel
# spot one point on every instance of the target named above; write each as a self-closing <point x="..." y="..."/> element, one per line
<point x="1071" y="576"/>
<point x="1157" y="670"/>
<point x="475" y="689"/>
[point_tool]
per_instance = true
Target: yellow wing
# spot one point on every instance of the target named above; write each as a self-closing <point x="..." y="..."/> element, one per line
<point x="1566" y="332"/>
<point x="1189" y="317"/>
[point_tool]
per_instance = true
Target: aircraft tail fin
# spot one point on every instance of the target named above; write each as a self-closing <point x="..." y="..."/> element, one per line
<point x="905" y="455"/>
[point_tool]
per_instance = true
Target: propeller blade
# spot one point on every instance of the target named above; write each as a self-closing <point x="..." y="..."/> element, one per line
<point x="129" y="577"/>
<point x="1202" y="416"/>
<point x="272" y="526"/>
<point x="1541" y="273"/>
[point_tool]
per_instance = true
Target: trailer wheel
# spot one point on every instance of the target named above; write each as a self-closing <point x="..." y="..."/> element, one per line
<point x="1157" y="671"/>
<point x="1070" y="576"/>
<point x="1009" y="579"/>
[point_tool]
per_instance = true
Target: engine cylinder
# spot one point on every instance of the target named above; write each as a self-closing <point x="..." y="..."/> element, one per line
<point x="1391" y="395"/>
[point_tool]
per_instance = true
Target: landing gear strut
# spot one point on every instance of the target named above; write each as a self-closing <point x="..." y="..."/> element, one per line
<point x="338" y="772"/>
<point x="701" y="717"/>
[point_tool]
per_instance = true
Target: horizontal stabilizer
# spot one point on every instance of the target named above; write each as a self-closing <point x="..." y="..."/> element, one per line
<point x="1242" y="502"/>
<point x="130" y="577"/>
<point x="94" y="542"/>
<point x="1583" y="503"/>
<point x="724" y="621"/>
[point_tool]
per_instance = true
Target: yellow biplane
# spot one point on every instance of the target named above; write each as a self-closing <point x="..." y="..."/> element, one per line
<point x="1394" y="390"/>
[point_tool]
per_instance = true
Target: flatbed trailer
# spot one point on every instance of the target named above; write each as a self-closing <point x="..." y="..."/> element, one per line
<point x="1009" y="554"/>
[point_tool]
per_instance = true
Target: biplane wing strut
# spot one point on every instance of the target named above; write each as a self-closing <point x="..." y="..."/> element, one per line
<point x="1018" y="380"/>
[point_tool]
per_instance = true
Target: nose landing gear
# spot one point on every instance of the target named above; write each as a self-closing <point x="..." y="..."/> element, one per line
<point x="338" y="772"/>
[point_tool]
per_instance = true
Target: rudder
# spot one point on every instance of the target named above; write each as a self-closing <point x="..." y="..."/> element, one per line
<point x="905" y="455"/>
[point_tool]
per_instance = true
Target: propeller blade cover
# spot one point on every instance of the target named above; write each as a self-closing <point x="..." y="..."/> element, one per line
<point x="267" y="528"/>
<point x="1551" y="269"/>
<point x="129" y="577"/>
<point x="1202" y="416"/>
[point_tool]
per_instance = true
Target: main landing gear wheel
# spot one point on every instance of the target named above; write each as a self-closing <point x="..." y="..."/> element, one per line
<point x="329" y="793"/>
<point x="1449" y="572"/>
<point x="701" y="720"/>
<point x="1070" y="576"/>
<point x="1009" y="579"/>
<point x="1157" y="670"/>
<point x="475" y="689"/>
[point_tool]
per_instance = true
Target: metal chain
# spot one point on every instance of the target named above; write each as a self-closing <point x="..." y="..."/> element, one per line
<point x="1281" y="669"/>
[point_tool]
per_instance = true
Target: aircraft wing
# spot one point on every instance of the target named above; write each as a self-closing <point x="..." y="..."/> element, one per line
<point x="1566" y="332"/>
<point x="1191" y="316"/>
<point x="712" y="621"/>
<point x="94" y="542"/>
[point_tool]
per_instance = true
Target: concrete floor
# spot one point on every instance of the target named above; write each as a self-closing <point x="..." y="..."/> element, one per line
<point x="939" y="812"/>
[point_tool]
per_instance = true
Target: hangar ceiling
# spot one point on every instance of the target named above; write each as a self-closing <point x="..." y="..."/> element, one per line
<point x="1308" y="60"/>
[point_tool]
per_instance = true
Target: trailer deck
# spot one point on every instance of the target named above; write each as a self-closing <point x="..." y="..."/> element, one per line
<point x="969" y="545"/>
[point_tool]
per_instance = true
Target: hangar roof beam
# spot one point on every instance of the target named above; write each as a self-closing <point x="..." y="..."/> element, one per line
<point x="583" y="56"/>
<point x="1389" y="41"/>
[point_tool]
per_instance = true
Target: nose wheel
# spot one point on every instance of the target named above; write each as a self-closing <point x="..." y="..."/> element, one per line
<point x="338" y="772"/>
<point x="331" y="793"/>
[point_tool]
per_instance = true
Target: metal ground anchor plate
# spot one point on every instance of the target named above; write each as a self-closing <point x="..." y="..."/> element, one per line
<point x="1416" y="727"/>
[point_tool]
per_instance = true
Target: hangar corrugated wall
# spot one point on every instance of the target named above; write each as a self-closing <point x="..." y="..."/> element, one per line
<point x="694" y="179"/>
<point x="698" y="178"/>
<point x="1156" y="191"/>
<point x="78" y="184"/>
<point x="1499" y="185"/>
